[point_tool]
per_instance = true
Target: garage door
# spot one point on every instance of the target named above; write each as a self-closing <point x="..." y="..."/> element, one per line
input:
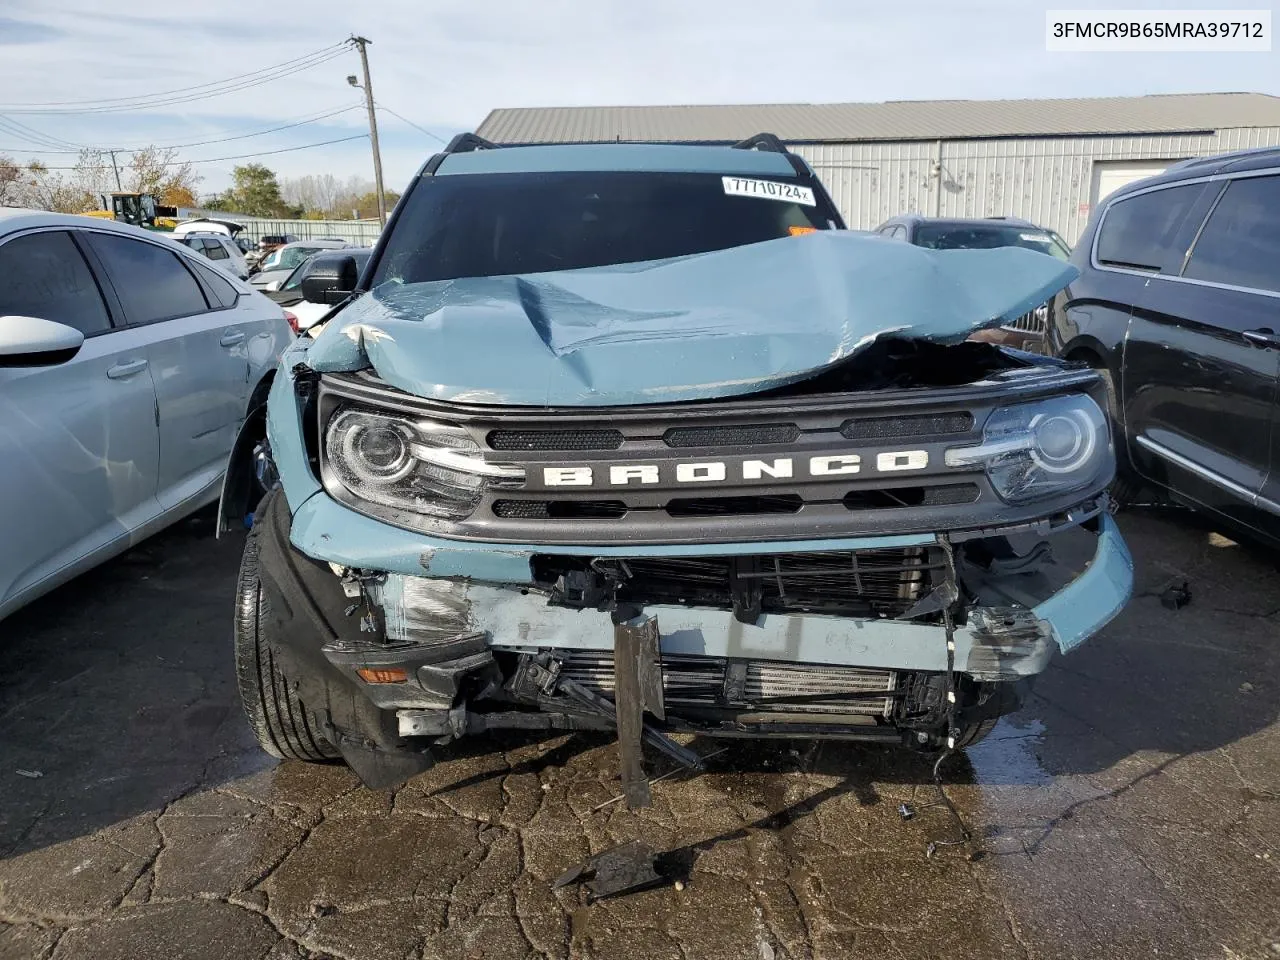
<point x="1110" y="175"/>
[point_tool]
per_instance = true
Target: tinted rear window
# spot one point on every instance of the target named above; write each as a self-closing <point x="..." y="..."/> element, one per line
<point x="951" y="236"/>
<point x="1140" y="232"/>
<point x="485" y="225"/>
<point x="1240" y="242"/>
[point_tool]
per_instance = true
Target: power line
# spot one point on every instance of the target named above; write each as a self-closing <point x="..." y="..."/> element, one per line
<point x="258" y="133"/>
<point x="179" y="90"/>
<point x="224" y="87"/>
<point x="31" y="135"/>
<point x="198" y="143"/>
<point x="412" y="124"/>
<point x="247" y="156"/>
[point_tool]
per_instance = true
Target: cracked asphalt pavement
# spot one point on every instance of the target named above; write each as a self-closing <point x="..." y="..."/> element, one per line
<point x="1132" y="808"/>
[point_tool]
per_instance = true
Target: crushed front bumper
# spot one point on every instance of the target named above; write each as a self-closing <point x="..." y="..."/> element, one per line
<point x="493" y="582"/>
<point x="451" y="623"/>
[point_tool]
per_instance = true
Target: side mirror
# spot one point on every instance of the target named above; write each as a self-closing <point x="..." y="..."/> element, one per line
<point x="330" y="280"/>
<point x="32" y="342"/>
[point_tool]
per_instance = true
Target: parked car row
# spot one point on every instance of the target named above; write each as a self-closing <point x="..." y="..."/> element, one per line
<point x="134" y="378"/>
<point x="275" y="267"/>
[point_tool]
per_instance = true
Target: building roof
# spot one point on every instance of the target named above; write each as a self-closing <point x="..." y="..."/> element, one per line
<point x="894" y="120"/>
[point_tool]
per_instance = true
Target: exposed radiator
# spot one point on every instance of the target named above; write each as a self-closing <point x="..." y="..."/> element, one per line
<point x="701" y="682"/>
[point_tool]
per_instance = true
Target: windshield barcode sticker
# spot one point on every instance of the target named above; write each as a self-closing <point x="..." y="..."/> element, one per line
<point x="769" y="190"/>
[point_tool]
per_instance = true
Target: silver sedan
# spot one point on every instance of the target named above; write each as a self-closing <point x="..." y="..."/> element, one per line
<point x="128" y="366"/>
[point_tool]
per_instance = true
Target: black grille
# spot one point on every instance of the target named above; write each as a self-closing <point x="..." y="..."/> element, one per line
<point x="891" y="580"/>
<point x="911" y="497"/>
<point x="555" y="439"/>
<point x="733" y="506"/>
<point x="890" y="428"/>
<point x="559" y="509"/>
<point x="845" y="582"/>
<point x="730" y="436"/>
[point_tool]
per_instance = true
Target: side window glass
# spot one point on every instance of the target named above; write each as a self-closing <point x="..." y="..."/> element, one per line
<point x="44" y="275"/>
<point x="1240" y="242"/>
<point x="1140" y="232"/>
<point x="151" y="282"/>
<point x="220" y="287"/>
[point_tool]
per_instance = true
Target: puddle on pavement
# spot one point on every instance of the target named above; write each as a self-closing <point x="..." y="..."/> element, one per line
<point x="1008" y="756"/>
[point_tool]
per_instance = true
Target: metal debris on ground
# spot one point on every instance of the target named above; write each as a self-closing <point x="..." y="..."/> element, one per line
<point x="30" y="774"/>
<point x="627" y="868"/>
<point x="666" y="776"/>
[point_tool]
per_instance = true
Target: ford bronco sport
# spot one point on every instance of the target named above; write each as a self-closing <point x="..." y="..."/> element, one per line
<point x="637" y="437"/>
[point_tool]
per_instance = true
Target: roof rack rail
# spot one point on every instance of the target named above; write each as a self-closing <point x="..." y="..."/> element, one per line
<point x="762" y="141"/>
<point x="467" y="142"/>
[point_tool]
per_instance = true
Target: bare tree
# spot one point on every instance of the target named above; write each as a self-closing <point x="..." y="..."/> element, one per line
<point x="92" y="175"/>
<point x="12" y="183"/>
<point x="50" y="190"/>
<point x="158" y="171"/>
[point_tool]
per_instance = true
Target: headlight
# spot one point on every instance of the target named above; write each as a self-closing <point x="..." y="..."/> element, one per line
<point x="1037" y="450"/>
<point x="424" y="466"/>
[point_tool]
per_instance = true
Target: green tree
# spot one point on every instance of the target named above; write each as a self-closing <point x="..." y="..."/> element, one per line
<point x="367" y="205"/>
<point x="256" y="192"/>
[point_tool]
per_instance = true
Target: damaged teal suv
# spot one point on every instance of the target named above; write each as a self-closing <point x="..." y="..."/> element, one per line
<point x="637" y="437"/>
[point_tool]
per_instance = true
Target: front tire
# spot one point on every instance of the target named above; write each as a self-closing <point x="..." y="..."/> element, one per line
<point x="283" y="725"/>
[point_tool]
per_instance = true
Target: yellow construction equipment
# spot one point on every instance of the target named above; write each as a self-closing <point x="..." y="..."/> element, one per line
<point x="139" y="209"/>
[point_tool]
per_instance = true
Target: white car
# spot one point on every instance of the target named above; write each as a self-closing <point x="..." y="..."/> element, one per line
<point x="279" y="263"/>
<point x="130" y="368"/>
<point x="220" y="249"/>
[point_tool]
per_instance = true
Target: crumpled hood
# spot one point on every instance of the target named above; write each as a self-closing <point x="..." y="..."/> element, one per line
<point x="717" y="324"/>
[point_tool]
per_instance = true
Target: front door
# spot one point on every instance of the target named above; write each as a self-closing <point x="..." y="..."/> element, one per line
<point x="79" y="449"/>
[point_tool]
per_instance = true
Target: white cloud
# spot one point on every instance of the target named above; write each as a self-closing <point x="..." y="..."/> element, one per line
<point x="445" y="64"/>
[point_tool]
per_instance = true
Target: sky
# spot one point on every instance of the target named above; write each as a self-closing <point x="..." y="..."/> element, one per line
<point x="444" y="64"/>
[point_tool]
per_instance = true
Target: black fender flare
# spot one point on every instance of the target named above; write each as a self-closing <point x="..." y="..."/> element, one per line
<point x="235" y="499"/>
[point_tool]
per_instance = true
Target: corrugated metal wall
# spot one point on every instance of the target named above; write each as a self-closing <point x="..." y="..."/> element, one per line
<point x="1048" y="181"/>
<point x="362" y="232"/>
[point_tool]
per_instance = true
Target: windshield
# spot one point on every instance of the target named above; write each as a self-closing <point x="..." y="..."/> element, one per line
<point x="294" y="280"/>
<point x="953" y="236"/>
<point x="286" y="258"/>
<point x="485" y="225"/>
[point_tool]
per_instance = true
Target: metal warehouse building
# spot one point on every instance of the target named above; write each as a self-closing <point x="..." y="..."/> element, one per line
<point x="1049" y="161"/>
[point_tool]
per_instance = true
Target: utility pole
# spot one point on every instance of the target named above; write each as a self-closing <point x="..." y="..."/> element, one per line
<point x="116" y="170"/>
<point x="361" y="43"/>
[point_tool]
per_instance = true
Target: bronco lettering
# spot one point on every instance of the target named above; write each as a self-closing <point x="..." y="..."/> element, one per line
<point x="827" y="465"/>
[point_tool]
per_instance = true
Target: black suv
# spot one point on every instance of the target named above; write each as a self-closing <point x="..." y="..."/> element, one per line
<point x="1178" y="303"/>
<point x="1027" y="332"/>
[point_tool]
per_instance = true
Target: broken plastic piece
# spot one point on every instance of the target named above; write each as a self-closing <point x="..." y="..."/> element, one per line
<point x="1175" y="598"/>
<point x="627" y="868"/>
